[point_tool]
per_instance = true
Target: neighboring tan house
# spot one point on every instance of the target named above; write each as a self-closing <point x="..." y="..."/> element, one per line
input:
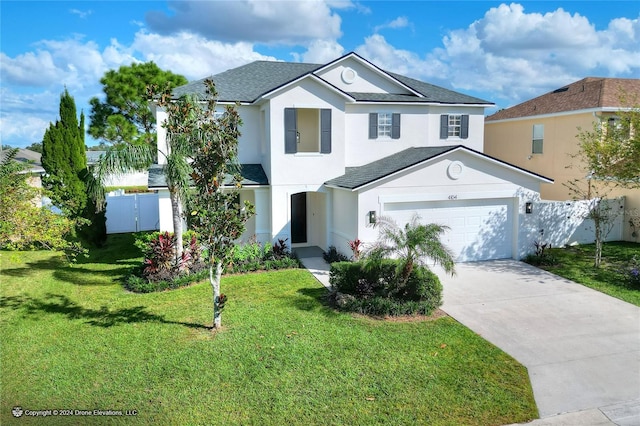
<point x="540" y="135"/>
<point x="326" y="149"/>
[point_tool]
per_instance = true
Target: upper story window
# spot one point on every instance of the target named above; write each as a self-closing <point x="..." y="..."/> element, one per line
<point x="454" y="126"/>
<point x="307" y="130"/>
<point x="384" y="125"/>
<point x="538" y="139"/>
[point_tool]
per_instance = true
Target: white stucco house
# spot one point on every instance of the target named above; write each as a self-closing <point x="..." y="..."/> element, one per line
<point x="327" y="148"/>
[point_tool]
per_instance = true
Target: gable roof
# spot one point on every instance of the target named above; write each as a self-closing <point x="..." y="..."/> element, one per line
<point x="357" y="177"/>
<point x="248" y="83"/>
<point x="588" y="93"/>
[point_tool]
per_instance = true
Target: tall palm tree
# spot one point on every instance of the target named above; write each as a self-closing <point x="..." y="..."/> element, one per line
<point x="414" y="244"/>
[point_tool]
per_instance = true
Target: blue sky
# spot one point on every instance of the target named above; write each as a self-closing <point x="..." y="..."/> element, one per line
<point x="499" y="51"/>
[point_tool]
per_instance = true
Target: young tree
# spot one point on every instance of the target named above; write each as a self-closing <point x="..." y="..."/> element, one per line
<point x="23" y="224"/>
<point x="609" y="157"/>
<point x="412" y="244"/>
<point x="67" y="177"/>
<point x="215" y="211"/>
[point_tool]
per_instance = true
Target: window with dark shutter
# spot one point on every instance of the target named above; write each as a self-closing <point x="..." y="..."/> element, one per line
<point x="325" y="131"/>
<point x="464" y="127"/>
<point x="290" y="131"/>
<point x="373" y="125"/>
<point x="444" y="126"/>
<point x="395" y="126"/>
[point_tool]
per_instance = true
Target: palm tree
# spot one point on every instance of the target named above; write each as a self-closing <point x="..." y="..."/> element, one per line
<point x="412" y="244"/>
<point x="126" y="157"/>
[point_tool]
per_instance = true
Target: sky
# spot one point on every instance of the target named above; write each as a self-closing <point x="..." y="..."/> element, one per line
<point x="502" y="52"/>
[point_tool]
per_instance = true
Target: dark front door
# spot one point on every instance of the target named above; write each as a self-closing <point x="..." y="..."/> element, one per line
<point x="299" y="218"/>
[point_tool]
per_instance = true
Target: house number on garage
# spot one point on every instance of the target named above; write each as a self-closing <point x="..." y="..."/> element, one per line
<point x="453" y="197"/>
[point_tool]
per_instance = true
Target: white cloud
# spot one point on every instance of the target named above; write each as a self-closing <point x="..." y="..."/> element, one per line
<point x="517" y="55"/>
<point x="377" y="50"/>
<point x="81" y="13"/>
<point x="25" y="117"/>
<point x="321" y="52"/>
<point x="255" y="21"/>
<point x="399" y="22"/>
<point x="192" y="55"/>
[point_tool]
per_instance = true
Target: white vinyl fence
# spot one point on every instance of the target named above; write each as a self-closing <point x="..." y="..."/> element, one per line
<point x="132" y="212"/>
<point x="562" y="223"/>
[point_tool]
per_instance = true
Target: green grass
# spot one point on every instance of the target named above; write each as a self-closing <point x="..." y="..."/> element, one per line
<point x="576" y="263"/>
<point x="74" y="339"/>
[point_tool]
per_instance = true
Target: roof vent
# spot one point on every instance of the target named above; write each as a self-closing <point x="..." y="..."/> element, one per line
<point x="560" y="90"/>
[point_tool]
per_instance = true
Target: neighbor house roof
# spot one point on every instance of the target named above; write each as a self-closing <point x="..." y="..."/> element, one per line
<point x="252" y="175"/>
<point x="247" y="83"/>
<point x="32" y="159"/>
<point x="357" y="177"/>
<point x="588" y="93"/>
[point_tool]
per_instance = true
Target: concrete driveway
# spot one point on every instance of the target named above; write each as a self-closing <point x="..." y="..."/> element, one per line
<point x="581" y="347"/>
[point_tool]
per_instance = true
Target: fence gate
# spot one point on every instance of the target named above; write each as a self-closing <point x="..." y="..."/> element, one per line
<point x="132" y="212"/>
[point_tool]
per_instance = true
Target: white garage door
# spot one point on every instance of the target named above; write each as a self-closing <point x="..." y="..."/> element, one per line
<point x="479" y="229"/>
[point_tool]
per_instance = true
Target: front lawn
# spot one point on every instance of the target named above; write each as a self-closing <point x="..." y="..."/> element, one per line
<point x="74" y="339"/>
<point x="576" y="263"/>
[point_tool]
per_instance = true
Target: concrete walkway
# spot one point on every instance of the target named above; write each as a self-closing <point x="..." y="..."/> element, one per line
<point x="581" y="347"/>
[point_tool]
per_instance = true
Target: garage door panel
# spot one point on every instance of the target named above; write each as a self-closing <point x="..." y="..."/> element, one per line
<point x="479" y="229"/>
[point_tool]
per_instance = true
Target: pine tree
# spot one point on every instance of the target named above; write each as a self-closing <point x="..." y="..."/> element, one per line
<point x="65" y="162"/>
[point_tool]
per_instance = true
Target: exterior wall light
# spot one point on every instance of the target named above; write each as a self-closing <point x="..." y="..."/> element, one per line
<point x="528" y="207"/>
<point x="372" y="216"/>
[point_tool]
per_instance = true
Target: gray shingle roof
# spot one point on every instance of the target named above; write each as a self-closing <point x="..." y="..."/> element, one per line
<point x="248" y="82"/>
<point x="356" y="177"/>
<point x="252" y="174"/>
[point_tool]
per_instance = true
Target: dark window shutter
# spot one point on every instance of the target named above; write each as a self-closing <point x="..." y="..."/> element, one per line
<point x="290" y="131"/>
<point x="464" y="127"/>
<point x="395" y="126"/>
<point x="325" y="131"/>
<point x="444" y="126"/>
<point x="373" y="125"/>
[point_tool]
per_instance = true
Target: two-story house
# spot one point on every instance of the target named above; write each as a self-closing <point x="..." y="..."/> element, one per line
<point x="326" y="149"/>
<point x="541" y="135"/>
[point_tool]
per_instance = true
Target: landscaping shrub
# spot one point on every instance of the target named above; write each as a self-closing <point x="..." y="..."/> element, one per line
<point x="254" y="256"/>
<point x="332" y="255"/>
<point x="158" y="250"/>
<point x="160" y="271"/>
<point x="631" y="272"/>
<point x="541" y="256"/>
<point x="376" y="289"/>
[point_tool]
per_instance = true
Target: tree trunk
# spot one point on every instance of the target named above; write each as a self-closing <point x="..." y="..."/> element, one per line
<point x="598" y="231"/>
<point x="214" y="279"/>
<point x="176" y="211"/>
